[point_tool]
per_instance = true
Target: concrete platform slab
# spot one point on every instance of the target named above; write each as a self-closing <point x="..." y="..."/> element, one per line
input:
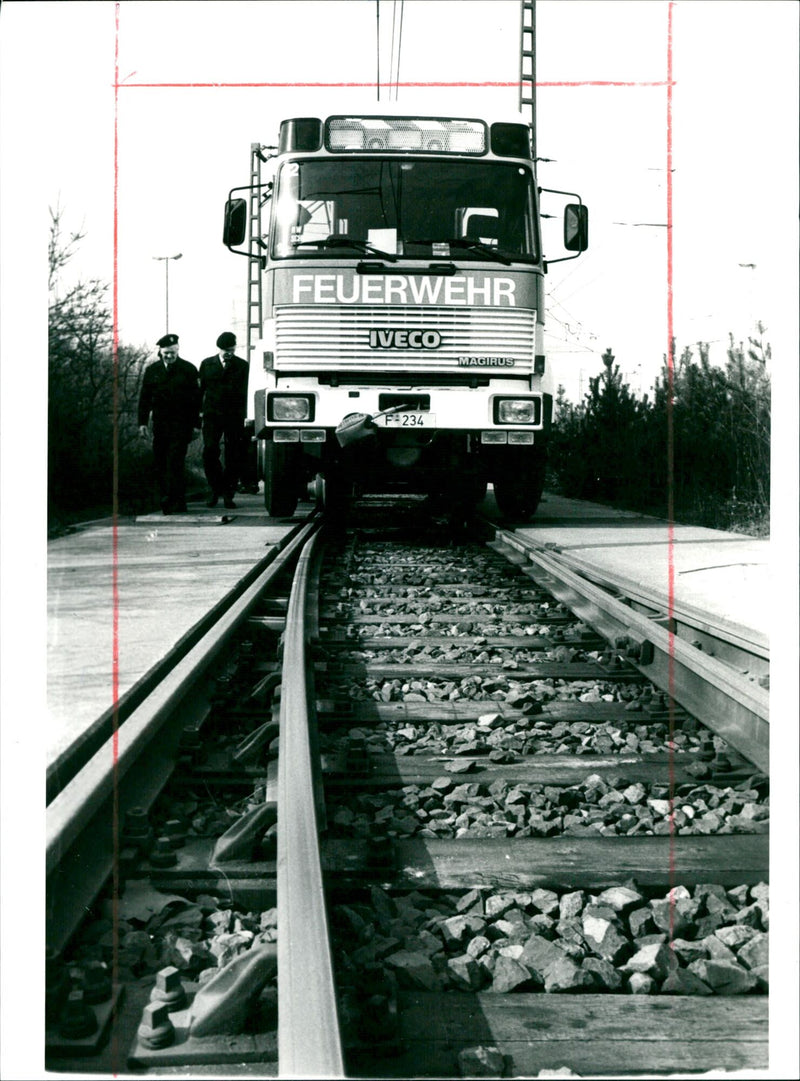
<point x="724" y="575"/>
<point x="169" y="571"/>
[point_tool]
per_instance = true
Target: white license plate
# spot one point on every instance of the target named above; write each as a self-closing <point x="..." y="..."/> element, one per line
<point x="410" y="420"/>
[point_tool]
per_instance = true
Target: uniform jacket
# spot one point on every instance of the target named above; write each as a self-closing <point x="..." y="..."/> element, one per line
<point x="223" y="388"/>
<point x="172" y="394"/>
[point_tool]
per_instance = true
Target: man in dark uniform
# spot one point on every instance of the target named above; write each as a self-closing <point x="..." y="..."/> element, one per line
<point x="223" y="389"/>
<point x="171" y="393"/>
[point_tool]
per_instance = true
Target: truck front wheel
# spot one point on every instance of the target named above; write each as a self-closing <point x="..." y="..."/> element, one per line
<point x="281" y="478"/>
<point x="519" y="483"/>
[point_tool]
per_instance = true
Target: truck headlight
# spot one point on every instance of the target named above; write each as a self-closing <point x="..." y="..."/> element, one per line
<point x="290" y="407"/>
<point x="517" y="410"/>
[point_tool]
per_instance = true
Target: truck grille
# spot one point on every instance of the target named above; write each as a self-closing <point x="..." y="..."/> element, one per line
<point x="312" y="338"/>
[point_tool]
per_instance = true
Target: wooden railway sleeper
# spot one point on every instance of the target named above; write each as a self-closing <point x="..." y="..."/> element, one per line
<point x="356" y="757"/>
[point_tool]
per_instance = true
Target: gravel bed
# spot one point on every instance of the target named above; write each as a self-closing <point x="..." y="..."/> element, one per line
<point x="470" y="632"/>
<point x="449" y="808"/>
<point x="420" y="575"/>
<point x="427" y="627"/>
<point x="510" y="739"/>
<point x="614" y="941"/>
<point x="642" y="729"/>
<point x="481" y="613"/>
<point x="437" y="594"/>
<point x="475" y="652"/>
<point x="195" y="816"/>
<point x="156" y="931"/>
<point x="393" y="565"/>
<point x="495" y="688"/>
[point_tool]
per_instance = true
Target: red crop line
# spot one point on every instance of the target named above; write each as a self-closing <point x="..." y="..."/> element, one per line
<point x="373" y="86"/>
<point x="670" y="477"/>
<point x="605" y="82"/>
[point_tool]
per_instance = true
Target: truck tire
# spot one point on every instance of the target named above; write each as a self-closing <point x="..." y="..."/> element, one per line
<point x="519" y="485"/>
<point x="475" y="490"/>
<point x="281" y="484"/>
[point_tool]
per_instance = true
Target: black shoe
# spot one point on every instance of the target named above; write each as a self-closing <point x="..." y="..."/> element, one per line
<point x="212" y="502"/>
<point x="229" y="503"/>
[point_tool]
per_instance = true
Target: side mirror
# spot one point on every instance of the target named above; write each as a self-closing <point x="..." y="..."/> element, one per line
<point x="235" y="229"/>
<point x="576" y="227"/>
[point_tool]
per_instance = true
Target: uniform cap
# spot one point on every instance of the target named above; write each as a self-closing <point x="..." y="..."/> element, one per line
<point x="226" y="340"/>
<point x="167" y="339"/>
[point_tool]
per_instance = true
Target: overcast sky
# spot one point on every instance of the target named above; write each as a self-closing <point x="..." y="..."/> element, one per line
<point x="182" y="148"/>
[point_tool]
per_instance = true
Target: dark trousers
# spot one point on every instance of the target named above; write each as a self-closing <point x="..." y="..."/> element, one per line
<point x="169" y="452"/>
<point x="222" y="481"/>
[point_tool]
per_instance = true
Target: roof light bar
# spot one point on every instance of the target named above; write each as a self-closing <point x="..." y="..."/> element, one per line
<point x="406" y="134"/>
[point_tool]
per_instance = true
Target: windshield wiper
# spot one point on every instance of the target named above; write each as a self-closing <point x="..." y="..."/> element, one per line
<point x="346" y="242"/>
<point x="469" y="245"/>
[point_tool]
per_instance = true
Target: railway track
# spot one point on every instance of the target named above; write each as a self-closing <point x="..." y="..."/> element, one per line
<point x="470" y="836"/>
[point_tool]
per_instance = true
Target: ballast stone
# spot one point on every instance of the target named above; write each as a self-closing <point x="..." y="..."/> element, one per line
<point x="684" y="982"/>
<point x="538" y="954"/>
<point x="655" y="960"/>
<point x="603" y="938"/>
<point x="620" y="898"/>
<point x="689" y="951"/>
<point x="564" y="975"/>
<point x="508" y="975"/>
<point x="604" y="975"/>
<point x="465" y="973"/>
<point x="724" y="977"/>
<point x="546" y="901"/>
<point x="641" y="984"/>
<point x="414" y="969"/>
<point x="755" y="953"/>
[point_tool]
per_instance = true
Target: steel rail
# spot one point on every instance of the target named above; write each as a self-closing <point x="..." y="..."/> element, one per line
<point x="132" y="767"/>
<point x="734" y="707"/>
<point x="309" y="1042"/>
<point x="743" y="639"/>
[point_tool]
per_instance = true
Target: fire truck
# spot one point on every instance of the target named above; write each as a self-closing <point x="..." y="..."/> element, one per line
<point x="396" y="299"/>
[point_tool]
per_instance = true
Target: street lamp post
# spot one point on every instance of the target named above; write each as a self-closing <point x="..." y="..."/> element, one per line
<point x="165" y="260"/>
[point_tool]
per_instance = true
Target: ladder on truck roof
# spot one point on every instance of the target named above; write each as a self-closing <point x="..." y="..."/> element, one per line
<point x="256" y="245"/>
<point x="527" y="65"/>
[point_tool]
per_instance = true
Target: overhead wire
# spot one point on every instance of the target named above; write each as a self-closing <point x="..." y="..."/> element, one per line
<point x="378" y="44"/>
<point x="395" y="47"/>
<point x="391" y="49"/>
<point x="573" y="320"/>
<point x="576" y="334"/>
<point x="399" y="48"/>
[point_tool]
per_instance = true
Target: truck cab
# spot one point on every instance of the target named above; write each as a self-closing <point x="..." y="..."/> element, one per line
<point x="402" y="279"/>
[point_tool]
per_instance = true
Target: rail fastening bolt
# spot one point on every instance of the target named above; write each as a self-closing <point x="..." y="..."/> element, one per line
<point x="136" y="829"/>
<point x="190" y="738"/>
<point x="77" y="1018"/>
<point x="96" y="984"/>
<point x="56" y="985"/>
<point x="163" y="855"/>
<point x="169" y="989"/>
<point x="175" y="830"/>
<point x="156" y="1030"/>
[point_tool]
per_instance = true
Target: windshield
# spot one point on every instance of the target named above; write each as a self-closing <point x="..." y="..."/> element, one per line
<point x="417" y="209"/>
